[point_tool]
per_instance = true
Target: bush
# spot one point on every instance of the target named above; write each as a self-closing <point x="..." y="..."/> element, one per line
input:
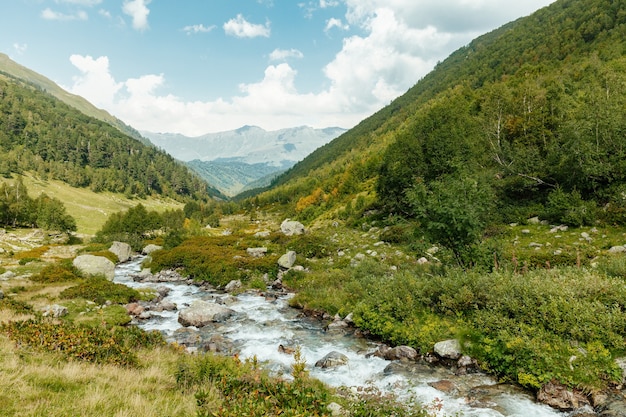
<point x="100" y="290"/>
<point x="569" y="208"/>
<point x="58" y="272"/>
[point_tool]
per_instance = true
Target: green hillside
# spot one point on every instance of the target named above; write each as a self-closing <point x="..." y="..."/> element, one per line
<point x="14" y="70"/>
<point x="41" y="134"/>
<point x="531" y="114"/>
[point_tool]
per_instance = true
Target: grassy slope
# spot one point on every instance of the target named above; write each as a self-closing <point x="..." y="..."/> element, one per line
<point x="91" y="209"/>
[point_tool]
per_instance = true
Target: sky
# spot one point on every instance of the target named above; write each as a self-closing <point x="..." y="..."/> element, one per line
<point x="201" y="66"/>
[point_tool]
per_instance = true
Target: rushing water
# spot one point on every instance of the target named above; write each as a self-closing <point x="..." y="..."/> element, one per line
<point x="261" y="325"/>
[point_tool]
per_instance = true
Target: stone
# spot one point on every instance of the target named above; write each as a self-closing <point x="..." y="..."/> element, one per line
<point x="621" y="362"/>
<point x="134" y="309"/>
<point x="449" y="349"/>
<point x="290" y="228"/>
<point x="263" y="233"/>
<point x="55" y="311"/>
<point x="219" y="344"/>
<point x="256" y="252"/>
<point x="233" y="286"/>
<point x="95" y="265"/>
<point x="444" y="385"/>
<point x="7" y="276"/>
<point x="402" y="353"/>
<point x="202" y="313"/>
<point x="336" y="410"/>
<point x="151" y="248"/>
<point x="422" y="261"/>
<point x="560" y="397"/>
<point x="287" y="260"/>
<point x="617" y="249"/>
<point x="121" y="250"/>
<point x="533" y="220"/>
<point x="332" y="360"/>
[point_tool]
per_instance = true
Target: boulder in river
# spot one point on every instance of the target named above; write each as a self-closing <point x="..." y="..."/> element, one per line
<point x="121" y="250"/>
<point x="448" y="349"/>
<point x="95" y="265"/>
<point x="201" y="313"/>
<point x="332" y="360"/>
<point x="560" y="397"/>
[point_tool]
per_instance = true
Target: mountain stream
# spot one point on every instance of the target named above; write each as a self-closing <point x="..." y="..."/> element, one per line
<point x="261" y="325"/>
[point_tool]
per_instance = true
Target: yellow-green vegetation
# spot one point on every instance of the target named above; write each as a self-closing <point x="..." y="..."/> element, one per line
<point x="90" y="209"/>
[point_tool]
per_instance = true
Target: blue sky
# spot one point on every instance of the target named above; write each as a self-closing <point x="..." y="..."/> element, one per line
<point x="200" y="66"/>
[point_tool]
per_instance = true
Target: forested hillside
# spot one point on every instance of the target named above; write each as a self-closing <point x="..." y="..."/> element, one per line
<point x="526" y="120"/>
<point x="41" y="134"/>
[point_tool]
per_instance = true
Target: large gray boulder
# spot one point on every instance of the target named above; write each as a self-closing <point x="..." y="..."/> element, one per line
<point x="121" y="250"/>
<point x="95" y="265"/>
<point x="287" y="260"/>
<point x="290" y="228"/>
<point x="151" y="248"/>
<point x="449" y="349"/>
<point x="332" y="360"/>
<point x="202" y="313"/>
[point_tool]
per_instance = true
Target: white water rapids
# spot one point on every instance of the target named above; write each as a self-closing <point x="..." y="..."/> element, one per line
<point x="262" y="325"/>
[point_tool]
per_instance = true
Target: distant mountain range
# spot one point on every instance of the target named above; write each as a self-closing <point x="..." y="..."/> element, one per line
<point x="232" y="160"/>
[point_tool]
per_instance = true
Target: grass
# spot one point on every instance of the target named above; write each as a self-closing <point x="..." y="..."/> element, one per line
<point x="88" y="208"/>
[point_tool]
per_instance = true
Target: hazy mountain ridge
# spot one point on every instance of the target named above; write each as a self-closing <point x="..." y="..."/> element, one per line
<point x="232" y="160"/>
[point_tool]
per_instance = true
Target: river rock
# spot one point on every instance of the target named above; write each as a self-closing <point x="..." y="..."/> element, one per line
<point x="621" y="362"/>
<point x="332" y="360"/>
<point x="448" y="349"/>
<point x="290" y="228"/>
<point x="134" y="309"/>
<point x="287" y="260"/>
<point x="560" y="397"/>
<point x="54" y="311"/>
<point x="201" y="313"/>
<point x="403" y="353"/>
<point x="121" y="250"/>
<point x="219" y="344"/>
<point x="95" y="265"/>
<point x="233" y="285"/>
<point x="615" y="406"/>
<point x="151" y="248"/>
<point x="257" y="252"/>
<point x="444" y="385"/>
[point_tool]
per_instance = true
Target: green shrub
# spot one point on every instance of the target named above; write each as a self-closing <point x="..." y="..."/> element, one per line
<point x="100" y="290"/>
<point x="569" y="208"/>
<point x="58" y="272"/>
<point x="80" y="342"/>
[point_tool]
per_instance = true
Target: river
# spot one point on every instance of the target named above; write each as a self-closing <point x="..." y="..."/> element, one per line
<point x="261" y="325"/>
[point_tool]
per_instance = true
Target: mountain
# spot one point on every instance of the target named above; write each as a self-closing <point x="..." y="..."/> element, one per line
<point x="531" y="114"/>
<point x="232" y="160"/>
<point x="12" y="69"/>
<point x="45" y="136"/>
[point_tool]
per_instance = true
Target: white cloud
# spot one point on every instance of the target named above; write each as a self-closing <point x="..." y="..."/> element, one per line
<point x="104" y="13"/>
<point x="96" y="83"/>
<point x="88" y="3"/>
<point x="20" y="48"/>
<point x="328" y="3"/>
<point x="138" y="11"/>
<point x="335" y="23"/>
<point x="241" y="28"/>
<point x="396" y="46"/>
<point x="198" y="29"/>
<point x="50" y="14"/>
<point x="283" y="54"/>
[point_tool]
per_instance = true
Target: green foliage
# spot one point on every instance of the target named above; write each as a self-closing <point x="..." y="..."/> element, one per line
<point x="569" y="208"/>
<point x="132" y="226"/>
<point x="100" y="290"/>
<point x="244" y="389"/>
<point x="57" y="272"/>
<point x="18" y="209"/>
<point x="79" y="342"/>
<point x="39" y="132"/>
<point x="17" y="306"/>
<point x="216" y="260"/>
